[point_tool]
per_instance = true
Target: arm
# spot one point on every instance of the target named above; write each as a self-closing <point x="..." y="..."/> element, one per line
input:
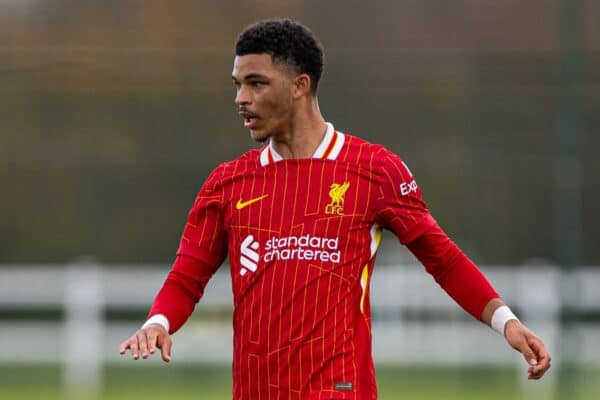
<point x="201" y="251"/>
<point x="400" y="208"/>
<point x="174" y="303"/>
<point x="465" y="283"/>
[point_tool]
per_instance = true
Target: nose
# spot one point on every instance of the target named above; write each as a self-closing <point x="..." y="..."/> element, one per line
<point x="241" y="96"/>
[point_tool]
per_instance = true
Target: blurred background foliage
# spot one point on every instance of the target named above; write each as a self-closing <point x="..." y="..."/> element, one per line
<point x="114" y="112"/>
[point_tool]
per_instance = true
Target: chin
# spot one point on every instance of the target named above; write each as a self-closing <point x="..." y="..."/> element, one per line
<point x="259" y="136"/>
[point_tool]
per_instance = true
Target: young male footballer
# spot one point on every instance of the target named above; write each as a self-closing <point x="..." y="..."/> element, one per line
<point x="301" y="219"/>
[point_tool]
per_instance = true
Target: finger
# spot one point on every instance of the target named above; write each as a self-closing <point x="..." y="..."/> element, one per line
<point x="124" y="346"/>
<point x="543" y="356"/>
<point x="152" y="341"/>
<point x="143" y="342"/>
<point x="165" y="344"/>
<point x="133" y="345"/>
<point x="528" y="353"/>
<point x="541" y="368"/>
<point x="534" y="371"/>
<point x="541" y="373"/>
<point x="536" y="374"/>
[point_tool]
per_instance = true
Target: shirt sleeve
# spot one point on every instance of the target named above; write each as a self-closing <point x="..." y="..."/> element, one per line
<point x="453" y="271"/>
<point x="400" y="206"/>
<point x="202" y="249"/>
<point x="204" y="237"/>
<point x="182" y="289"/>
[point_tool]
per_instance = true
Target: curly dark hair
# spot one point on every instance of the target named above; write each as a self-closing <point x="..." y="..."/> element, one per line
<point x="287" y="42"/>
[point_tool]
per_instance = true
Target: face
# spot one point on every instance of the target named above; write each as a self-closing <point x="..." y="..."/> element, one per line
<point x="264" y="94"/>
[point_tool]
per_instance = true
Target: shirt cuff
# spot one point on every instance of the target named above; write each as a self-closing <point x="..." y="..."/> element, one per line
<point x="158" y="319"/>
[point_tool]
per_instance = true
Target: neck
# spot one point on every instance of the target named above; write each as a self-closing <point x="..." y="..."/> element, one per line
<point x="303" y="135"/>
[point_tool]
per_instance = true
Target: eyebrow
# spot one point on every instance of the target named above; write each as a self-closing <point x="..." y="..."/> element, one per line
<point x="253" y="75"/>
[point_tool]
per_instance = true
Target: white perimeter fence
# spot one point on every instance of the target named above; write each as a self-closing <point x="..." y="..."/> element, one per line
<point x="83" y="341"/>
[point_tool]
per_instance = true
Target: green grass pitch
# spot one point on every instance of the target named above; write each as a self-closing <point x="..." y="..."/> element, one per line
<point x="177" y="382"/>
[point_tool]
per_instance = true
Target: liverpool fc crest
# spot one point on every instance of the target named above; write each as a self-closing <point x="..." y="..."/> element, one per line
<point x="337" y="192"/>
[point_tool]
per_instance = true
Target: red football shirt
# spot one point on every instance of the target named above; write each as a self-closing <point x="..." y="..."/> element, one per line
<point x="302" y="237"/>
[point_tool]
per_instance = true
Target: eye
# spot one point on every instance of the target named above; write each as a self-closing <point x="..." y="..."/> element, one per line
<point x="256" y="84"/>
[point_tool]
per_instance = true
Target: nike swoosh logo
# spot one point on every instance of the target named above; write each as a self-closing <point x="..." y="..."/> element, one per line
<point x="242" y="204"/>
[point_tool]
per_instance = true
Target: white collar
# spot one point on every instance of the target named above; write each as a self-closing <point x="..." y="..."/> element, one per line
<point x="329" y="148"/>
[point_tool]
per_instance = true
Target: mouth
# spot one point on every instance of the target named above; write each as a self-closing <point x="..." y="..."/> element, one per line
<point x="249" y="119"/>
<point x="250" y="122"/>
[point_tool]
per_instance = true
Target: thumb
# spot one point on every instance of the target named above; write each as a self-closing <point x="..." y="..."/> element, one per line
<point x="529" y="354"/>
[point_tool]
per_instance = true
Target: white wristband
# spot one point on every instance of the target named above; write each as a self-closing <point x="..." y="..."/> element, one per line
<point x="159" y="319"/>
<point x="501" y="316"/>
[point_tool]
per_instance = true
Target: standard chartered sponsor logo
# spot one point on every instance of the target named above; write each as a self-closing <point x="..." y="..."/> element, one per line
<point x="305" y="247"/>
<point x="249" y="257"/>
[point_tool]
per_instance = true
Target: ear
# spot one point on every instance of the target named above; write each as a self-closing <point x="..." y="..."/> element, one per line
<point x="301" y="86"/>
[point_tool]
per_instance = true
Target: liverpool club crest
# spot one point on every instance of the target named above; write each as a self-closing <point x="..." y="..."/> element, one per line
<point x="336" y="193"/>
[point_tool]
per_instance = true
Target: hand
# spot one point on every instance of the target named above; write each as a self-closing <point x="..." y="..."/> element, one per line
<point x="145" y="342"/>
<point x="531" y="346"/>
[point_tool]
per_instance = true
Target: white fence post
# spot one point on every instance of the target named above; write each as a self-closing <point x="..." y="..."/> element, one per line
<point x="83" y="299"/>
<point x="539" y="301"/>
